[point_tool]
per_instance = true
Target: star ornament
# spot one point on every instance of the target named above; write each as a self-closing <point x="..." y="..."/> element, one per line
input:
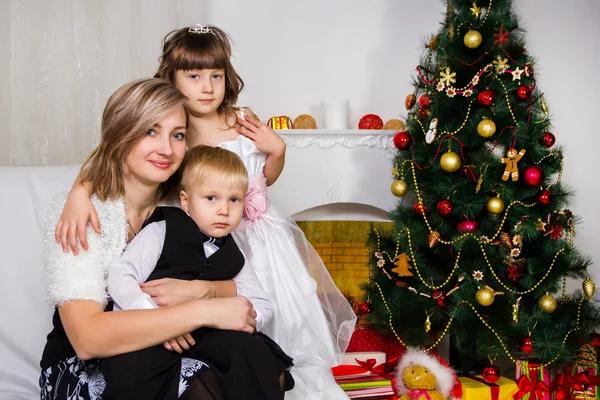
<point x="477" y="275"/>
<point x="516" y="74"/>
<point x="476" y="11"/>
<point x="540" y="225"/>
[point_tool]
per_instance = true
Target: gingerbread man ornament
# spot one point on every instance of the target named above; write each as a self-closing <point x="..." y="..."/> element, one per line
<point x="511" y="159"/>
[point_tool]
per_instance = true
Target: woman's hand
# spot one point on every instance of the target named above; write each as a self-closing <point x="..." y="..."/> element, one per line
<point x="231" y="313"/>
<point x="265" y="139"/>
<point x="74" y="218"/>
<point x="169" y="292"/>
<point x="180" y="343"/>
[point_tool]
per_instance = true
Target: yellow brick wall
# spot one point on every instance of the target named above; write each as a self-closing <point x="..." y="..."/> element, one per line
<point x="347" y="264"/>
<point x="342" y="247"/>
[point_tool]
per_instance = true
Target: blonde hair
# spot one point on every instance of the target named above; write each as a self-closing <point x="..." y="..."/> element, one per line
<point x="187" y="50"/>
<point x="202" y="162"/>
<point x="129" y="113"/>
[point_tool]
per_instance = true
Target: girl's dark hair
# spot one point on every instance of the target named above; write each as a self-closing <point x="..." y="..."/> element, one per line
<point x="205" y="48"/>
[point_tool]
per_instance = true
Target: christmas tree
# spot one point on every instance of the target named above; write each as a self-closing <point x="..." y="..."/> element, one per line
<point x="482" y="243"/>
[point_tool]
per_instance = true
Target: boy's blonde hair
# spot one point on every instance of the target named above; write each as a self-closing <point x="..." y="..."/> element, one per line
<point x="202" y="162"/>
<point x="130" y="112"/>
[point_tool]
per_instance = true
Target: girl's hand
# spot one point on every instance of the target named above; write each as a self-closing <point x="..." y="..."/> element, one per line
<point x="74" y="218"/>
<point x="180" y="343"/>
<point x="169" y="292"/>
<point x="265" y="139"/>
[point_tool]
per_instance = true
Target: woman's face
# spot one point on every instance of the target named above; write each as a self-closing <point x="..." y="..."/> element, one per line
<point x="158" y="155"/>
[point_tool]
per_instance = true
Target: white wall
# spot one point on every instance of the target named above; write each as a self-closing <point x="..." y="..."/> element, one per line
<point x="293" y="54"/>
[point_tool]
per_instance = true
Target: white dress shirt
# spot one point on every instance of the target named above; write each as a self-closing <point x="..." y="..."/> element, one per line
<point x="139" y="260"/>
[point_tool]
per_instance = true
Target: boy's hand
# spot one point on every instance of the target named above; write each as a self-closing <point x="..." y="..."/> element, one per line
<point x="180" y="343"/>
<point x="166" y="292"/>
<point x="72" y="224"/>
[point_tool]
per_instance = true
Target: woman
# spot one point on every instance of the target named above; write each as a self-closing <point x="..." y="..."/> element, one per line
<point x="131" y="171"/>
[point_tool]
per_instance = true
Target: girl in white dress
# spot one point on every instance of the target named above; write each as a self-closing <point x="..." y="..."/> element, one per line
<point x="312" y="320"/>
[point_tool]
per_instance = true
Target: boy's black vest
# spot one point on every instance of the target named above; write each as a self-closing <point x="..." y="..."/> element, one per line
<point x="183" y="255"/>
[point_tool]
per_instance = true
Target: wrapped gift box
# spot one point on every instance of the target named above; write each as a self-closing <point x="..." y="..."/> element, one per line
<point x="364" y="375"/>
<point x="529" y="374"/>
<point x="361" y="364"/>
<point x="475" y="388"/>
<point x="567" y="382"/>
<point x="369" y="340"/>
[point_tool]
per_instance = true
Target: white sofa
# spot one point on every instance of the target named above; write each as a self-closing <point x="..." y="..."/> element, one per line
<point x="25" y="318"/>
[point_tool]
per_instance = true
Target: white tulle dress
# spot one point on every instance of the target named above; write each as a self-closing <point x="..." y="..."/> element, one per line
<point x="313" y="321"/>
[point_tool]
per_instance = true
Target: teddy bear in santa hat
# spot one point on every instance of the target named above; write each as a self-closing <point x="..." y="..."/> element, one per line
<point x="426" y="376"/>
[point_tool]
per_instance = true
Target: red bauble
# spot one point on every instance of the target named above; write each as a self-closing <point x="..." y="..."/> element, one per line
<point x="491" y="374"/>
<point x="523" y="92"/>
<point x="467" y="226"/>
<point x="548" y="139"/>
<point x="545" y="197"/>
<point x="403" y="140"/>
<point x="424" y="101"/>
<point x="444" y="207"/>
<point x="364" y="308"/>
<point x="370" y="121"/>
<point x="534" y="176"/>
<point x="527" y="346"/>
<point x="439" y="297"/>
<point x="486" y="97"/>
<point x="420" y="208"/>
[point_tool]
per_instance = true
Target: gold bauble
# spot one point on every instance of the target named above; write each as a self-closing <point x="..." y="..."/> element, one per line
<point x="495" y="205"/>
<point x="450" y="161"/>
<point x="485" y="296"/>
<point x="473" y="39"/>
<point x="399" y="188"/>
<point x="486" y="128"/>
<point x="589" y="287"/>
<point x="547" y="303"/>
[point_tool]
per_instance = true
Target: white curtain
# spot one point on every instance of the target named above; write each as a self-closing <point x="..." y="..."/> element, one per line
<point x="61" y="60"/>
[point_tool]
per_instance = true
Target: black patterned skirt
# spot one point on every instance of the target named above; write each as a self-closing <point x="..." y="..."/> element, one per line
<point x="74" y="379"/>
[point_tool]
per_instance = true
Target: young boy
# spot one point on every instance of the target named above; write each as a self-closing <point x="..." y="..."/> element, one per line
<point x="190" y="243"/>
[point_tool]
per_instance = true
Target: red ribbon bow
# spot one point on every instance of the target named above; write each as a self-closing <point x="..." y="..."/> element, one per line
<point x="560" y="387"/>
<point x="580" y="381"/>
<point x="361" y="368"/>
<point x="527" y="387"/>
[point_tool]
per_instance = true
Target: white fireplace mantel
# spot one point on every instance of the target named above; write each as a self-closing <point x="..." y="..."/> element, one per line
<point x="325" y="167"/>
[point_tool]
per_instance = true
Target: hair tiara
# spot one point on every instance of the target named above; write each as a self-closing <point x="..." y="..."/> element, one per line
<point x="200" y="29"/>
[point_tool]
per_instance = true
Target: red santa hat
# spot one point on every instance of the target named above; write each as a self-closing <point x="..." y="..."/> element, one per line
<point x="447" y="382"/>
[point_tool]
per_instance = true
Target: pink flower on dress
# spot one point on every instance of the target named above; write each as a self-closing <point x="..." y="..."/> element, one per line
<point x="256" y="202"/>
